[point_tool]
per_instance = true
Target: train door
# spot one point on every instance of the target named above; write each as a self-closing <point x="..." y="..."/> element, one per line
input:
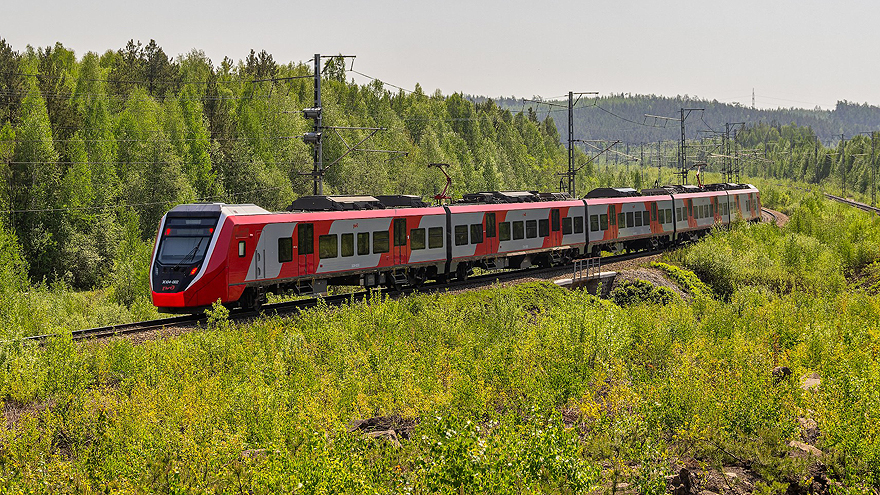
<point x="491" y="233"/>
<point x="305" y="247"/>
<point x="259" y="259"/>
<point x="400" y="253"/>
<point x="555" y="228"/>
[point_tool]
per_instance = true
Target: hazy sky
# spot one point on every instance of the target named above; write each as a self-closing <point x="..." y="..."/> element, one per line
<point x="793" y="53"/>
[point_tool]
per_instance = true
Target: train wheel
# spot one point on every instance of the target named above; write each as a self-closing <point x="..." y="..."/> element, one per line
<point x="462" y="272"/>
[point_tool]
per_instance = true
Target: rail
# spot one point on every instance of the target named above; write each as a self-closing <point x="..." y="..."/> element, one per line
<point x="853" y="203"/>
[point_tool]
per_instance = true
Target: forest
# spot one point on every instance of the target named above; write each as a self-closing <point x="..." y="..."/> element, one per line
<point x="94" y="149"/>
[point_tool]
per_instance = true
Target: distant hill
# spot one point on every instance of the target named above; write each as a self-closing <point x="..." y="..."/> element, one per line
<point x="622" y="116"/>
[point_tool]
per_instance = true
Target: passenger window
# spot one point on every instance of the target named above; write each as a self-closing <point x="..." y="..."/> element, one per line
<point x="241" y="249"/>
<point x="347" y="244"/>
<point x="554" y="217"/>
<point x="678" y="213"/>
<point x="363" y="243"/>
<point x="306" y="244"/>
<point x="630" y="222"/>
<point x="285" y="249"/>
<point x="566" y="226"/>
<point x="461" y="235"/>
<point x="417" y="239"/>
<point x="544" y="227"/>
<point x="518" y="230"/>
<point x="476" y="233"/>
<point x="638" y="216"/>
<point x="594" y="223"/>
<point x="490" y="225"/>
<point x="504" y="231"/>
<point x="380" y="241"/>
<point x="328" y="247"/>
<point x="435" y="237"/>
<point x="603" y="221"/>
<point x="578" y="224"/>
<point x="646" y="218"/>
<point x="621" y="220"/>
<point x="531" y="229"/>
<point x="669" y="214"/>
<point x="399" y="232"/>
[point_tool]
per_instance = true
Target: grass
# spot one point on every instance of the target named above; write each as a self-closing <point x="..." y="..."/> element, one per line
<point x="517" y="389"/>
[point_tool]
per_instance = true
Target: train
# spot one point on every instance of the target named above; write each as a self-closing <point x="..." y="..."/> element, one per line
<point x="239" y="253"/>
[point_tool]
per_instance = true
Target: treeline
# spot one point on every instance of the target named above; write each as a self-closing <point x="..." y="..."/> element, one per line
<point x="622" y="116"/>
<point x="94" y="149"/>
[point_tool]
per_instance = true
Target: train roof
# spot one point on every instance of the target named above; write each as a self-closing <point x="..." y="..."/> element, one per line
<point x="211" y="209"/>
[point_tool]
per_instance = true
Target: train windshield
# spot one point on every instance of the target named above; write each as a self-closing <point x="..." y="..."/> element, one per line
<point x="185" y="240"/>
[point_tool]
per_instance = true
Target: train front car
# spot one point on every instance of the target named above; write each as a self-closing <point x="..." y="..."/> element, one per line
<point x="187" y="237"/>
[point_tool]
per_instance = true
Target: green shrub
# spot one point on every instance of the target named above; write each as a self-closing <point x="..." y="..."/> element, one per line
<point x="641" y="291"/>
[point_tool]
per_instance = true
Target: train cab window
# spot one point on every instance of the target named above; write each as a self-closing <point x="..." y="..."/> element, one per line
<point x="363" y="243"/>
<point x="566" y="226"/>
<point x="399" y="232"/>
<point x="417" y="239"/>
<point x="241" y="249"/>
<point x="380" y="241"/>
<point x="328" y="246"/>
<point x="531" y="229"/>
<point x="578" y="224"/>
<point x="476" y="233"/>
<point x="306" y="244"/>
<point x="518" y="230"/>
<point x="490" y="225"/>
<point x="435" y="237"/>
<point x="621" y="220"/>
<point x="543" y="227"/>
<point x="554" y="217"/>
<point x="630" y="221"/>
<point x="594" y="223"/>
<point x="603" y="221"/>
<point x="347" y="244"/>
<point x="504" y="231"/>
<point x="461" y="235"/>
<point x="285" y="249"/>
<point x="638" y="219"/>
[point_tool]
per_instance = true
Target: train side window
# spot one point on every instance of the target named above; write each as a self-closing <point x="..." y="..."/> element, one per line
<point x="630" y="222"/>
<point x="638" y="216"/>
<point x="490" y="224"/>
<point x="544" y="227"/>
<point x="285" y="249"/>
<point x="594" y="223"/>
<point x="711" y="210"/>
<point x="669" y="214"/>
<point x="566" y="226"/>
<point x="435" y="237"/>
<point x="417" y="239"/>
<point x="518" y="230"/>
<point x="603" y="221"/>
<point x="578" y="224"/>
<point x="621" y="220"/>
<point x="347" y="241"/>
<point x="306" y="244"/>
<point x="328" y="246"/>
<point x="476" y="233"/>
<point x="504" y="231"/>
<point x="461" y="235"/>
<point x="678" y="214"/>
<point x="399" y="232"/>
<point x="363" y="243"/>
<point x="531" y="229"/>
<point x="380" y="241"/>
<point x="554" y="217"/>
<point x="241" y="249"/>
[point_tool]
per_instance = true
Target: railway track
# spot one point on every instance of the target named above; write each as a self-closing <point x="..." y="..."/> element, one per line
<point x="770" y="213"/>
<point x="853" y="203"/>
<point x="289" y="307"/>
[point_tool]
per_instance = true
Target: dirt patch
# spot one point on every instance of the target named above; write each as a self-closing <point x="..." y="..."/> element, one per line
<point x="14" y="412"/>
<point x="391" y="427"/>
<point x="653" y="275"/>
<point x="768" y="215"/>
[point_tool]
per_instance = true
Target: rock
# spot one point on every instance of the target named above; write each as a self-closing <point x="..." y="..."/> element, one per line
<point x="252" y="453"/>
<point x="809" y="430"/>
<point x="811" y="381"/>
<point x="389" y="435"/>
<point x="731" y="474"/>
<point x="805" y="448"/>
<point x="781" y="372"/>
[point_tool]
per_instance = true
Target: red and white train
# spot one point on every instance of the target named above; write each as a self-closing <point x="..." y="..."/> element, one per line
<point x="238" y="253"/>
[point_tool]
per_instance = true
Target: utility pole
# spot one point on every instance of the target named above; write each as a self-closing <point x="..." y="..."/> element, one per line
<point x="318" y="168"/>
<point x="682" y="153"/>
<point x="843" y="165"/>
<point x="659" y="161"/>
<point x="873" y="171"/>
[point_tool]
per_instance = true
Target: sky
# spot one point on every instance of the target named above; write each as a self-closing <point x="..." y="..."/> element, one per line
<point x="802" y="53"/>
